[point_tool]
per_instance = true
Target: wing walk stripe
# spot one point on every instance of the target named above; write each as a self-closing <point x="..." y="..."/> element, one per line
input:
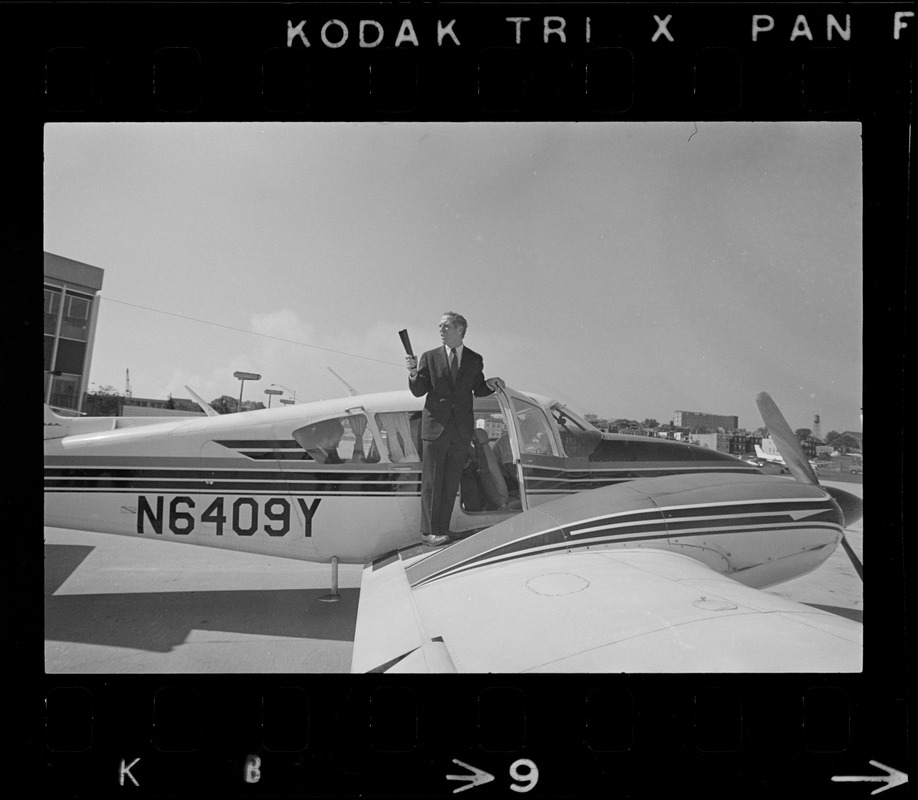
<point x="674" y="525"/>
<point x="498" y="557"/>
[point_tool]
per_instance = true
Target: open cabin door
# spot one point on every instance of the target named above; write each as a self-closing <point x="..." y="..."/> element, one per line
<point x="535" y="449"/>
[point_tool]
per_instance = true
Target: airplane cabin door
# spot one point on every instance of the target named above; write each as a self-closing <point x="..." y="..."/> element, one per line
<point x="536" y="452"/>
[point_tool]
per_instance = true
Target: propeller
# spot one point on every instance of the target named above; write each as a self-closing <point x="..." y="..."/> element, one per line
<point x="852" y="507"/>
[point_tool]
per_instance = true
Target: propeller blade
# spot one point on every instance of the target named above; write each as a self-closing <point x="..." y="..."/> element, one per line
<point x="788" y="445"/>
<point x="852" y="507"/>
<point x="855" y="561"/>
<point x="206" y="407"/>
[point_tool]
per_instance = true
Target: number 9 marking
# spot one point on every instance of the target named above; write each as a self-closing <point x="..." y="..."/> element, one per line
<point x="529" y="778"/>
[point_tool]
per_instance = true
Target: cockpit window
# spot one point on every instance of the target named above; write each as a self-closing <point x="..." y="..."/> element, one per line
<point x="343" y="440"/>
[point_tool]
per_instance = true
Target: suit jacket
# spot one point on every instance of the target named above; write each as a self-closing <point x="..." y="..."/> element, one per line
<point x="443" y="398"/>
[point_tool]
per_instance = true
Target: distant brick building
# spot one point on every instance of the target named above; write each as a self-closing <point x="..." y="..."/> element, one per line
<point x="694" y="420"/>
<point x="111" y="405"/>
<point x="715" y="441"/>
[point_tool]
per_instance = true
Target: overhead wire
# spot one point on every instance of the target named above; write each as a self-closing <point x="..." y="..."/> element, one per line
<point x="250" y="333"/>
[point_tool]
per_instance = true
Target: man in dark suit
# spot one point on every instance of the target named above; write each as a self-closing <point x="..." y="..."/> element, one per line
<point x="449" y="375"/>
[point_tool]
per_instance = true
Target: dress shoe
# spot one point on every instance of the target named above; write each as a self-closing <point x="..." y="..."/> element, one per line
<point x="434" y="541"/>
<point x="457" y="537"/>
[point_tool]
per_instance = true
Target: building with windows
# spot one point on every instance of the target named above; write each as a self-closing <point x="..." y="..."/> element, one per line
<point x="697" y="420"/>
<point x="715" y="441"/>
<point x="71" y="306"/>
<point x="116" y="405"/>
<point x="742" y="444"/>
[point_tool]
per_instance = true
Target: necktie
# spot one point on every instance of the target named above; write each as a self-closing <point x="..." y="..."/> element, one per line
<point x="453" y="364"/>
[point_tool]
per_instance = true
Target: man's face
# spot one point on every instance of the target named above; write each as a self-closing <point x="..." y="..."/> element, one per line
<point x="450" y="333"/>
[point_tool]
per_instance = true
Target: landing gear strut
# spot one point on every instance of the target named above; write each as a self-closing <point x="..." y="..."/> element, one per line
<point x="333" y="596"/>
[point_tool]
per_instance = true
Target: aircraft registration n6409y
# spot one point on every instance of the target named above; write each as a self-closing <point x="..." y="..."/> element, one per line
<point x="586" y="551"/>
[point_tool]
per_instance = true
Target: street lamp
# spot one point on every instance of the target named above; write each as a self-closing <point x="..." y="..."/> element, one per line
<point x="287" y="388"/>
<point x="243" y="377"/>
<point x="271" y="393"/>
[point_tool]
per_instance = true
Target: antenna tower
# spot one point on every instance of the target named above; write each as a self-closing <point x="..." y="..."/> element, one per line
<point x="127" y="383"/>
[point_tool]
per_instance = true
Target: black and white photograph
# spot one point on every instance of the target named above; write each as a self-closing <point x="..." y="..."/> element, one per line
<point x="453" y="397"/>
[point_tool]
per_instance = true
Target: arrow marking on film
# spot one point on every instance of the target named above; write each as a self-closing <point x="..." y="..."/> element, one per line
<point x="893" y="778"/>
<point x="477" y="779"/>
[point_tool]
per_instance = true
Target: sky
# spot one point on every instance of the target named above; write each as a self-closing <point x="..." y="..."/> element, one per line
<point x="628" y="269"/>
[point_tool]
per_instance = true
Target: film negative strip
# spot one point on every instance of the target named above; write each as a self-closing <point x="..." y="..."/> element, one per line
<point x="193" y="674"/>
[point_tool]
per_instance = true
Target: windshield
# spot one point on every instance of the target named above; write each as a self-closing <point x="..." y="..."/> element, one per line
<point x="568" y="420"/>
<point x="578" y="437"/>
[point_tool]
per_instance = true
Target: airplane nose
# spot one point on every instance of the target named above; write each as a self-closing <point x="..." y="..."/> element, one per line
<point x="852" y="507"/>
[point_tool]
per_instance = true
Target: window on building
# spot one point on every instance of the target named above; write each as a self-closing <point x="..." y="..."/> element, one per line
<point x="64" y="391"/>
<point x="52" y="308"/>
<point x="75" y="322"/>
<point x="70" y="355"/>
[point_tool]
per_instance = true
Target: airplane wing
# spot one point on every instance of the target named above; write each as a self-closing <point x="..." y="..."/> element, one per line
<point x="611" y="611"/>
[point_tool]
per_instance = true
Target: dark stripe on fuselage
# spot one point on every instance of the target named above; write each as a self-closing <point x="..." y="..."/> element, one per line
<point x="258" y="444"/>
<point x="563" y="481"/>
<point x="179" y="481"/>
<point x="222" y="474"/>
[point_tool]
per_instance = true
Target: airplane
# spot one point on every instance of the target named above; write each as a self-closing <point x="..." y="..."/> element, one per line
<point x="775" y="458"/>
<point x="338" y="481"/>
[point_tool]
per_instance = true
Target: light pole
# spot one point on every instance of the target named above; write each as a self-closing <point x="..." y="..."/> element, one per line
<point x="287" y="388"/>
<point x="271" y="393"/>
<point x="243" y="377"/>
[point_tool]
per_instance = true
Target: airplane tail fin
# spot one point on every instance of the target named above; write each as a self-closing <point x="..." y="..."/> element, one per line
<point x="56" y="427"/>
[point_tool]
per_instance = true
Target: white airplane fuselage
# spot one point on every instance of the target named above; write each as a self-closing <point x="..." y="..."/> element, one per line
<point x="244" y="482"/>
